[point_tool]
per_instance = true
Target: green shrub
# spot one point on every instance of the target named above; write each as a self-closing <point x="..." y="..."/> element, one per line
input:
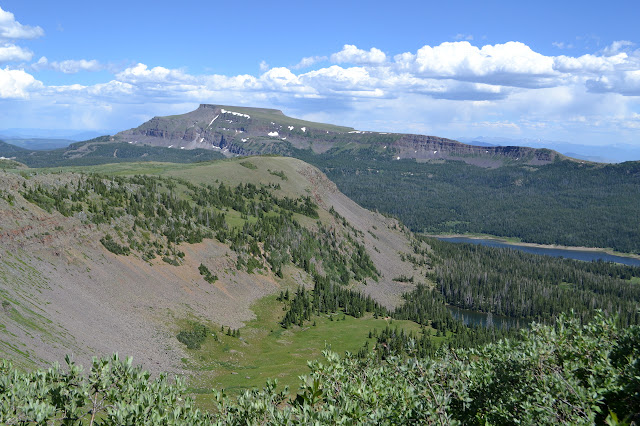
<point x="403" y="279"/>
<point x="568" y="373"/>
<point x="195" y="337"/>
<point x="252" y="264"/>
<point x="248" y="165"/>
<point x="206" y="273"/>
<point x="114" y="392"/>
<point x="113" y="247"/>
<point x="278" y="173"/>
<point x="170" y="261"/>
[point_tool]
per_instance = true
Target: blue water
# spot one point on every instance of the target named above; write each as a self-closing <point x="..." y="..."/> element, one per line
<point x="478" y="318"/>
<point x="554" y="252"/>
<point x="474" y="318"/>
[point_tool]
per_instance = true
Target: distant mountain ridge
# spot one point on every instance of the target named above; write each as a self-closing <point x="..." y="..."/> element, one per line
<point x="216" y="131"/>
<point x="66" y="134"/>
<point x="250" y="131"/>
<point x="231" y="130"/>
<point x="611" y="153"/>
<point x="39" y="144"/>
<point x="238" y="130"/>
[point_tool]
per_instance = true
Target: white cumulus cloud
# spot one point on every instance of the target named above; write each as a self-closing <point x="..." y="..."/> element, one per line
<point x="309" y="61"/>
<point x="240" y="83"/>
<point x="16" y="84"/>
<point x="13" y="53"/>
<point x="617" y="46"/>
<point x="626" y="83"/>
<point x="283" y="80"/>
<point x="509" y="64"/>
<point x="72" y="66"/>
<point x="10" y="29"/>
<point x="141" y="74"/>
<point x="336" y="78"/>
<point x="589" y="63"/>
<point x="351" y="54"/>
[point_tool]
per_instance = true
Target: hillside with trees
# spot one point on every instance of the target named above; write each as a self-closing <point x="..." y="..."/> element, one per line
<point x="146" y="248"/>
<point x="432" y="184"/>
<point x="565" y="202"/>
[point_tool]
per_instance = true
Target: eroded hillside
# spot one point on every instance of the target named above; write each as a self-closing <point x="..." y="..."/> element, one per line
<point x="93" y="264"/>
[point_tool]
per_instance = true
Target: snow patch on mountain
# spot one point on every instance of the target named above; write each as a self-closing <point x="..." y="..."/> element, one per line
<point x="239" y="114"/>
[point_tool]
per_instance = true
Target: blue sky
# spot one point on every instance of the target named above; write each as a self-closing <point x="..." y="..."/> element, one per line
<point x="558" y="70"/>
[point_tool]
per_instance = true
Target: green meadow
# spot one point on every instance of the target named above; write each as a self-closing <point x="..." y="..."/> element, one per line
<point x="265" y="350"/>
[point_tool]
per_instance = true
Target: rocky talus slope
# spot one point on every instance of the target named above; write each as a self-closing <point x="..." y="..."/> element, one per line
<point x="63" y="292"/>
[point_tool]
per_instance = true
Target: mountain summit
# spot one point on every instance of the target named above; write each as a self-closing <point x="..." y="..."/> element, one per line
<point x="233" y="130"/>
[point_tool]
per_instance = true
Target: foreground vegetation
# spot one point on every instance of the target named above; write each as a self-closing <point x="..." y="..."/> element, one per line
<point x="566" y="373"/>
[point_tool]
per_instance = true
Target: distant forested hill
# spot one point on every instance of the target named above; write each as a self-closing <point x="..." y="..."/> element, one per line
<point x="103" y="151"/>
<point x="565" y="202"/>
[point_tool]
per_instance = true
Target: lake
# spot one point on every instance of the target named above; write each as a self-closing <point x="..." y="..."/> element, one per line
<point x="554" y="252"/>
<point x="486" y="320"/>
<point x="474" y="318"/>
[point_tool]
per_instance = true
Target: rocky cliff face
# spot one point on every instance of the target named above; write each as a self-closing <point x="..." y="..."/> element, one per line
<point x="431" y="147"/>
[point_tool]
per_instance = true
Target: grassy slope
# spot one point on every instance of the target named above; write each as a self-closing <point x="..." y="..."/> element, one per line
<point x="270" y="351"/>
<point x="227" y="171"/>
<point x="267" y="350"/>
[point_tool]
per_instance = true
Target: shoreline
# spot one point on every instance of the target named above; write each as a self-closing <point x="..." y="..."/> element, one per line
<point x="535" y="245"/>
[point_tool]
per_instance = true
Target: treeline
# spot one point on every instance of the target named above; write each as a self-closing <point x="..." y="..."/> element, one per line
<point x="396" y="342"/>
<point x="504" y="282"/>
<point x="424" y="306"/>
<point x="567" y="373"/>
<point x="327" y="297"/>
<point x="566" y="202"/>
<point x="520" y="285"/>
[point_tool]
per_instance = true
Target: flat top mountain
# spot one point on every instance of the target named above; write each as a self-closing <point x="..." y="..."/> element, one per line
<point x="217" y="131"/>
<point x="246" y="131"/>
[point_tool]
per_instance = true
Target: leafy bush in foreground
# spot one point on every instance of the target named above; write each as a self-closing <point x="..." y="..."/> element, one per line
<point x="567" y="373"/>
<point x="113" y="393"/>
